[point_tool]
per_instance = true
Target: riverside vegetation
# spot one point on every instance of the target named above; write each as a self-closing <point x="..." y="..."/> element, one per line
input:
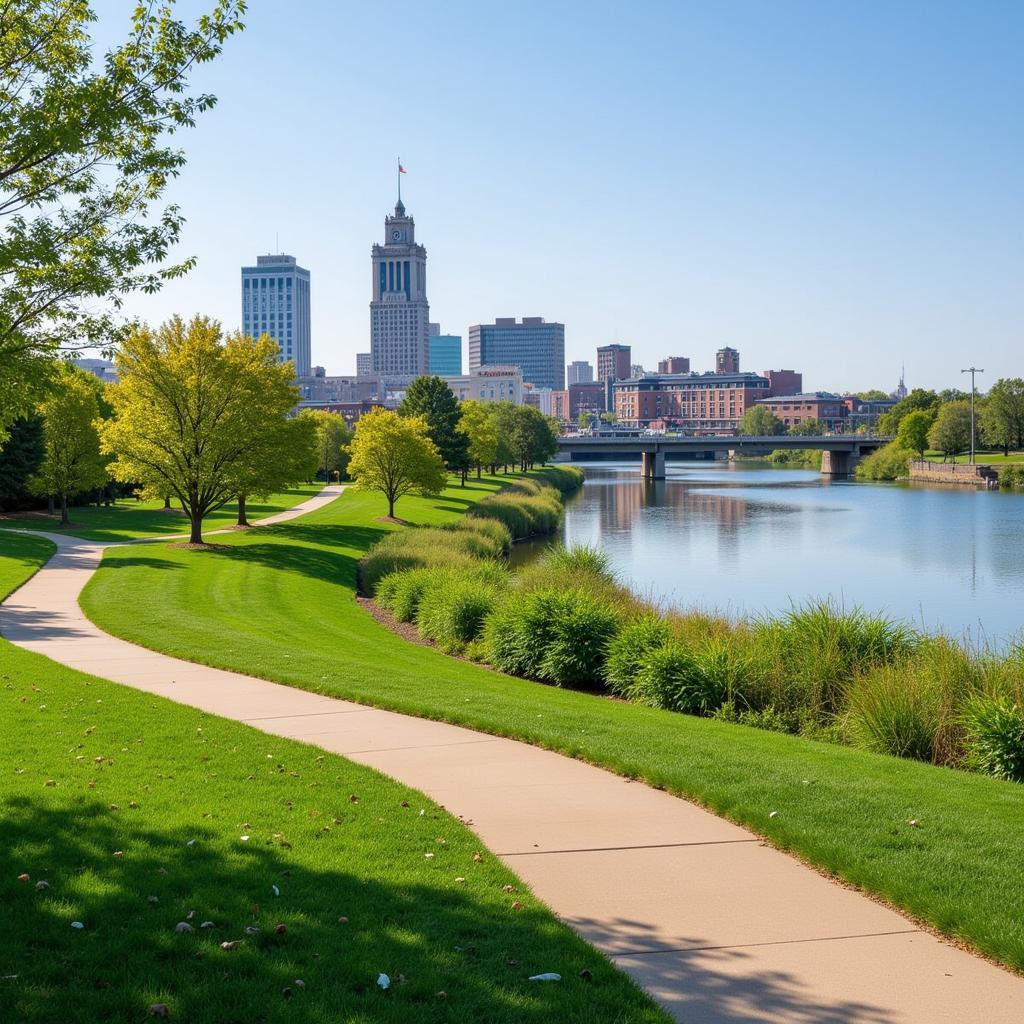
<point x="821" y="671"/>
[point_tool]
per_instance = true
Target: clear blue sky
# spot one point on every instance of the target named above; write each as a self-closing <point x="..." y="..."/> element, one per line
<point x="832" y="187"/>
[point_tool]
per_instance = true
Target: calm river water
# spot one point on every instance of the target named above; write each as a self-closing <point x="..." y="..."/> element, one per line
<point x="750" y="538"/>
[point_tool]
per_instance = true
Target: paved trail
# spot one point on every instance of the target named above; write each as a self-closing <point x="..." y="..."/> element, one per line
<point x="718" y="927"/>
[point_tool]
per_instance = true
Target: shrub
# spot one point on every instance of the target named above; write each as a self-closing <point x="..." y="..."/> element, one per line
<point x="400" y="592"/>
<point x="887" y="463"/>
<point x="516" y="633"/>
<point x="896" y="711"/>
<point x="676" y="678"/>
<point x="994" y="739"/>
<point x="452" y="612"/>
<point x="578" y="558"/>
<point x="580" y="628"/>
<point x="1011" y="477"/>
<point x="629" y="650"/>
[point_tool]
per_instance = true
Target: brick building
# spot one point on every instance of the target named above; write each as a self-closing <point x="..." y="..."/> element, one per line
<point x="586" y="398"/>
<point x="831" y="410"/>
<point x="613" y="362"/>
<point x="674" y="364"/>
<point x="697" y="403"/>
<point x="727" y="360"/>
<point x="784" y="382"/>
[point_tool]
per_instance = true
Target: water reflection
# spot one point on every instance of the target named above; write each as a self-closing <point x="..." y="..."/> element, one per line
<point x="746" y="539"/>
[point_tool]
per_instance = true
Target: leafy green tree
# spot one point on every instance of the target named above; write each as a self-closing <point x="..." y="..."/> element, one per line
<point x="951" y="431"/>
<point x="481" y="431"/>
<point x="810" y="427"/>
<point x="919" y="398"/>
<point x="913" y="430"/>
<point x="1002" y="414"/>
<point x="534" y="437"/>
<point x="432" y="400"/>
<point x="20" y="457"/>
<point x="872" y="395"/>
<point x="198" y="415"/>
<point x="760" y="421"/>
<point x="84" y="157"/>
<point x="503" y="415"/>
<point x="281" y="457"/>
<point x="889" y="462"/>
<point x="395" y="455"/>
<point x="331" y="440"/>
<point x="72" y="462"/>
<point x="954" y="395"/>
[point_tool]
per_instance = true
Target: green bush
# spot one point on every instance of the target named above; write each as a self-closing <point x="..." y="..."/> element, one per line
<point x="888" y="463"/>
<point x="896" y="711"/>
<point x="1011" y="477"/>
<point x="580" y="558"/>
<point x="516" y="633"/>
<point x="678" y="679"/>
<point x="580" y="628"/>
<point x="628" y="651"/>
<point x="994" y="728"/>
<point x="452" y="612"/>
<point x="400" y="592"/>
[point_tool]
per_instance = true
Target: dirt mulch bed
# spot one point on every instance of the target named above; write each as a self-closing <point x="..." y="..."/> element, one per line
<point x="406" y="630"/>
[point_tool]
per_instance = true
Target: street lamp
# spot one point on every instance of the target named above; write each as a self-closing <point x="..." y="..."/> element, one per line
<point x="972" y="370"/>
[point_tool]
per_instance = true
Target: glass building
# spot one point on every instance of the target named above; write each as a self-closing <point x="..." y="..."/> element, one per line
<point x="445" y="353"/>
<point x="534" y="345"/>
<point x="275" y="301"/>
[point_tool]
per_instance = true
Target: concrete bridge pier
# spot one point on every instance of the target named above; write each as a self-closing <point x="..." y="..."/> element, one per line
<point x="653" y="465"/>
<point x="839" y="465"/>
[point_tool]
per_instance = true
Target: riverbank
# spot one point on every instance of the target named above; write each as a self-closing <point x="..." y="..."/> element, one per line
<point x="292" y="588"/>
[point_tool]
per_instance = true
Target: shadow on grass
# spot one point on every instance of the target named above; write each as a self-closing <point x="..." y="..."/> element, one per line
<point x="429" y="938"/>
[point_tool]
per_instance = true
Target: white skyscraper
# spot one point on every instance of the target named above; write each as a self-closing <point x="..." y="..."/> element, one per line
<point x="275" y="301"/>
<point x="399" y="311"/>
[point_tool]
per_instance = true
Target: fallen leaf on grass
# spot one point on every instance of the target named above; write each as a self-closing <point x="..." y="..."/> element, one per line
<point x="158" y="1010"/>
<point x="229" y="946"/>
<point x="23" y="877"/>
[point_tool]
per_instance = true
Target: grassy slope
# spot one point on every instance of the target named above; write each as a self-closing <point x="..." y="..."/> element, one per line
<point x="282" y="606"/>
<point x="130" y="519"/>
<point x="139" y="775"/>
<point x="995" y="458"/>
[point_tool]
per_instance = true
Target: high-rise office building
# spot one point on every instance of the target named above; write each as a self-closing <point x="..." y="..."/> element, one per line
<point x="399" y="311"/>
<point x="727" y="360"/>
<point x="445" y="353"/>
<point x="364" y="364"/>
<point x="580" y="372"/>
<point x="613" y="362"/>
<point x="534" y="345"/>
<point x="275" y="301"/>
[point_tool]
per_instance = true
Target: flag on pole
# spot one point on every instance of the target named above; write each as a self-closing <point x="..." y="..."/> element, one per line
<point x="402" y="170"/>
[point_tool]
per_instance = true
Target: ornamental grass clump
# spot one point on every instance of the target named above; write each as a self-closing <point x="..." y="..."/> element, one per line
<point x="452" y="610"/>
<point x="400" y="592"/>
<point x="994" y="737"/>
<point x="629" y="649"/>
<point x="679" y="678"/>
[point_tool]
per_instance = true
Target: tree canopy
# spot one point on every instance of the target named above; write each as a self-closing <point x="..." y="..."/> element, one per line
<point x="394" y="455"/>
<point x="72" y="462"/>
<point x="432" y="400"/>
<point x="919" y="398"/>
<point x="84" y="157"/>
<point x="914" y="428"/>
<point x="810" y="427"/>
<point x="760" y="421"/>
<point x="481" y="431"/>
<point x="20" y="457"/>
<point x="198" y="415"/>
<point x="331" y="438"/>
<point x="1002" y="414"/>
<point x="951" y="431"/>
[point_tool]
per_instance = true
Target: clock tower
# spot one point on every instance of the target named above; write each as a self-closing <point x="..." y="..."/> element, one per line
<point x="399" y="311"/>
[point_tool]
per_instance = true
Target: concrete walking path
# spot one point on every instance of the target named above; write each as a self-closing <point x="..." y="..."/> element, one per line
<point x="717" y="926"/>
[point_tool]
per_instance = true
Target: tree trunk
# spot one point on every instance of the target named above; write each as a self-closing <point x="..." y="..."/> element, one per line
<point x="197" y="529"/>
<point x="464" y="471"/>
<point x="64" y="521"/>
<point x="51" y="508"/>
<point x="167" y="501"/>
<point x="242" y="521"/>
<point x="479" y="470"/>
<point x="391" y="507"/>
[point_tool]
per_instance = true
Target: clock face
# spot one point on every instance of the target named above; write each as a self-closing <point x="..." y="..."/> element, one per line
<point x="396" y="235"/>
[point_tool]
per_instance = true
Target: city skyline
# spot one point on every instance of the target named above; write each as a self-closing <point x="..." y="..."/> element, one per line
<point x="882" y="225"/>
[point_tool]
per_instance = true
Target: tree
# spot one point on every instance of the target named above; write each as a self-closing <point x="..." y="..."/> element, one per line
<point x="281" y="458"/>
<point x="872" y="395"/>
<point x="83" y="159"/>
<point x="331" y="439"/>
<point x="1002" y="415"/>
<point x="432" y="400"/>
<point x="913" y="430"/>
<point x="810" y="427"/>
<point x="20" y="457"/>
<point x="394" y="455"/>
<point x="197" y="414"/>
<point x="481" y="431"/>
<point x="951" y="431"/>
<point x="71" y="458"/>
<point x="760" y="421"/>
<point x="919" y="398"/>
<point x="503" y="416"/>
<point x="534" y="436"/>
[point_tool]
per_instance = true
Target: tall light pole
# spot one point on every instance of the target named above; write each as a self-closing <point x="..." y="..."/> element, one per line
<point x="972" y="370"/>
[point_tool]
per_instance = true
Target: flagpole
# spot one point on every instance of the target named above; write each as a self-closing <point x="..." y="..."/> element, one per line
<point x="399" y="179"/>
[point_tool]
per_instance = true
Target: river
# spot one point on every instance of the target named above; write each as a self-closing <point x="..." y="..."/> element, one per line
<point x="750" y="538"/>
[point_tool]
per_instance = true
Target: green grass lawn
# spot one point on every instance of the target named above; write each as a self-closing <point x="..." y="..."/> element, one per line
<point x="987" y="458"/>
<point x="279" y="603"/>
<point x="133" y="810"/>
<point x="129" y="519"/>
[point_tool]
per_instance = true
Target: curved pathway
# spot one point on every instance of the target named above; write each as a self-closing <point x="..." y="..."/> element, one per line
<point x="716" y="925"/>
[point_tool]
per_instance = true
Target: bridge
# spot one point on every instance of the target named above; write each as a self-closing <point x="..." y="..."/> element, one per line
<point x="840" y="452"/>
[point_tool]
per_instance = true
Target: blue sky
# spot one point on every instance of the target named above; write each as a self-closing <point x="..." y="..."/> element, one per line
<point x="834" y="187"/>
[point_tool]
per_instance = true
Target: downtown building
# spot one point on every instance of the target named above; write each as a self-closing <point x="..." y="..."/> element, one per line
<point x="399" y="311"/>
<point x="532" y="344"/>
<point x="445" y="357"/>
<point x="614" y="362"/>
<point x="580" y="372"/>
<point x="275" y="301"/>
